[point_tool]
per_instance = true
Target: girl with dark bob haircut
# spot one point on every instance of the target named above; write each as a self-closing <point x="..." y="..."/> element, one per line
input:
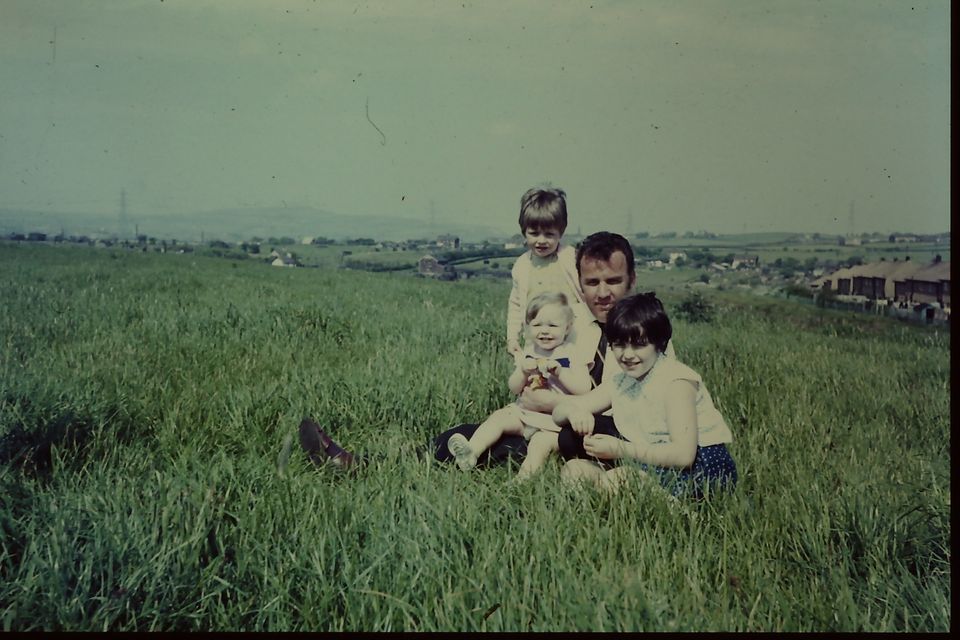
<point x="666" y="425"/>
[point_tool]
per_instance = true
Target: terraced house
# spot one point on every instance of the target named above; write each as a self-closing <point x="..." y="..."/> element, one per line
<point x="894" y="281"/>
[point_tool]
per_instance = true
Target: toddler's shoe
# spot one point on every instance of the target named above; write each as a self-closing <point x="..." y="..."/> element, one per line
<point x="460" y="448"/>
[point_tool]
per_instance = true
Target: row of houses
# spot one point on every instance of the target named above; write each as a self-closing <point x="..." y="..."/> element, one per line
<point x="893" y="281"/>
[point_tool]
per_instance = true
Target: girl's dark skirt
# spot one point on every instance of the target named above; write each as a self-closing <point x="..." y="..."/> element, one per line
<point x="713" y="468"/>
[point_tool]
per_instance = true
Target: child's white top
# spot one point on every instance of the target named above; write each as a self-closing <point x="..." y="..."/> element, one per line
<point x="639" y="409"/>
<point x="565" y="350"/>
<point x="533" y="275"/>
<point x="544" y="421"/>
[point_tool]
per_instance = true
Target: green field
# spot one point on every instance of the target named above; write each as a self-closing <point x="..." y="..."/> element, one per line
<point x="147" y="406"/>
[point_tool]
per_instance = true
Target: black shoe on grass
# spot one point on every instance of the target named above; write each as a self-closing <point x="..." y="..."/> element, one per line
<point x="320" y="448"/>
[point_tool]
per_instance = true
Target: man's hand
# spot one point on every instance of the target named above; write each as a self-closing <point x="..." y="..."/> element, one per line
<point x="513" y="348"/>
<point x="604" y="447"/>
<point x="581" y="422"/>
<point x="539" y="400"/>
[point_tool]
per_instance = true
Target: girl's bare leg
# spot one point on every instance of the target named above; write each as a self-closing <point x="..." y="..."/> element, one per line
<point x="541" y="445"/>
<point x="613" y="480"/>
<point x="502" y="421"/>
<point x="579" y="471"/>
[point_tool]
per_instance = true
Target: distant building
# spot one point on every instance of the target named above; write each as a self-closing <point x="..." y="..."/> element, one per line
<point x="448" y="242"/>
<point x="744" y="261"/>
<point x="287" y="260"/>
<point x="900" y="281"/>
<point x="903" y="237"/>
<point x="429" y="267"/>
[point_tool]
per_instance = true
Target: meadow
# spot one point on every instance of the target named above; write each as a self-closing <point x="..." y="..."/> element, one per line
<point x="150" y="477"/>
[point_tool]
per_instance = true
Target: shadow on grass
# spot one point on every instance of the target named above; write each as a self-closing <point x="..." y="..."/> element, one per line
<point x="28" y="445"/>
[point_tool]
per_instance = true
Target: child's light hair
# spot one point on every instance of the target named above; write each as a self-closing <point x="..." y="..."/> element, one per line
<point x="539" y="302"/>
<point x="543" y="207"/>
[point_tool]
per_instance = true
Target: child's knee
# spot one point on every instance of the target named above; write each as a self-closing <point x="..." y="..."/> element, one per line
<point x="543" y="441"/>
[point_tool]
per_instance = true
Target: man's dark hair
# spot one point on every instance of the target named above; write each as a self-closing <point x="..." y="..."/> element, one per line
<point x="603" y="244"/>
<point x="639" y="319"/>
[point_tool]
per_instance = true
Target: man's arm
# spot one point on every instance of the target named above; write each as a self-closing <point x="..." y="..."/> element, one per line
<point x="578" y="411"/>
<point x="539" y="400"/>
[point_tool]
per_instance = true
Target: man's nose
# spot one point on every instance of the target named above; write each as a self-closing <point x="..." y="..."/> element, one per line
<point x="603" y="290"/>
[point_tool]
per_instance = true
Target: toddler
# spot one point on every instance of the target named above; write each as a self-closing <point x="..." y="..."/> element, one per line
<point x="547" y="362"/>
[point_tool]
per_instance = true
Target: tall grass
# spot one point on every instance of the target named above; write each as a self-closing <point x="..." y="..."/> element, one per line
<point x="147" y="405"/>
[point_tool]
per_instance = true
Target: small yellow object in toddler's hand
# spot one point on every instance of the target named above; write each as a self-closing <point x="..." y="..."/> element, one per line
<point x="536" y="381"/>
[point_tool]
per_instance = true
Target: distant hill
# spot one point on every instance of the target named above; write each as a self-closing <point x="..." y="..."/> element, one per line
<point x="241" y="224"/>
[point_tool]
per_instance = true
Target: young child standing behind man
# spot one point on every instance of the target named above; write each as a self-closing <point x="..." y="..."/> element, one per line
<point x="547" y="266"/>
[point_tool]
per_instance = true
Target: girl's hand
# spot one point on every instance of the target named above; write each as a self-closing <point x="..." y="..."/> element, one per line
<point x="581" y="422"/>
<point x="604" y="447"/>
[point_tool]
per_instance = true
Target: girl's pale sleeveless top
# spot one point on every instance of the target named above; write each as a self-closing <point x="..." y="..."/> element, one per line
<point x="639" y="408"/>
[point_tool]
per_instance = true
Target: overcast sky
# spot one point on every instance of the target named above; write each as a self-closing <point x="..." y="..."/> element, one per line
<point x="727" y="116"/>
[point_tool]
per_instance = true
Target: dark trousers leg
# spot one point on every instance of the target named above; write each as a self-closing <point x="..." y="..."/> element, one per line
<point x="571" y="443"/>
<point x="506" y="447"/>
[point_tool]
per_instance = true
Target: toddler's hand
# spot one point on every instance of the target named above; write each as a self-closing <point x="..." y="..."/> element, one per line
<point x="550" y="366"/>
<point x="536" y="381"/>
<point x="529" y="364"/>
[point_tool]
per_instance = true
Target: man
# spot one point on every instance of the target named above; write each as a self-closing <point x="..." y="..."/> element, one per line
<point x="605" y="266"/>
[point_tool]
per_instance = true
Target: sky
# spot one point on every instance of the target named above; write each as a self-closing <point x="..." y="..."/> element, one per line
<point x="727" y="116"/>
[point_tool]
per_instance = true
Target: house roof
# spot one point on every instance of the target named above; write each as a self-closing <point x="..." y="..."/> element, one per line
<point x="890" y="270"/>
<point x="897" y="271"/>
<point x="934" y="272"/>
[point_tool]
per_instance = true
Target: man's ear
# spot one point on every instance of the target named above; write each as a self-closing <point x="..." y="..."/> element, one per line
<point x="633" y="281"/>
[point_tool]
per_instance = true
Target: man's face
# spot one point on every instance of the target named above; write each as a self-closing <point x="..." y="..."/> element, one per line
<point x="604" y="282"/>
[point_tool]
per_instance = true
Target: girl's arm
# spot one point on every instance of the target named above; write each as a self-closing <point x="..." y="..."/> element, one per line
<point x="680" y="401"/>
<point x="578" y="411"/>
